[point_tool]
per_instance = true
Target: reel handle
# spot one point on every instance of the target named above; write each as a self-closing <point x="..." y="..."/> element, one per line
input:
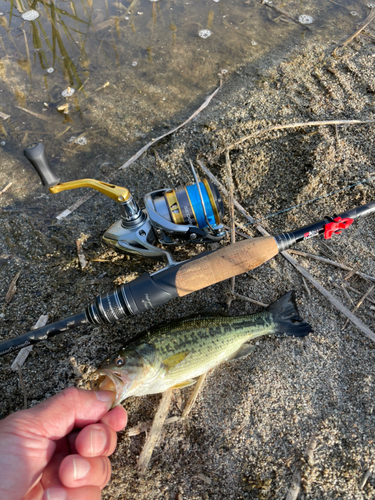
<point x="37" y="157"/>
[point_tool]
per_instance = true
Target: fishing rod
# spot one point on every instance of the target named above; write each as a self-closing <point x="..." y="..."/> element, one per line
<point x="177" y="279"/>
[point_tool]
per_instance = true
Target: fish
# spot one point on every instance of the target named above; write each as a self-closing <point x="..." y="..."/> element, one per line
<point x="175" y="354"/>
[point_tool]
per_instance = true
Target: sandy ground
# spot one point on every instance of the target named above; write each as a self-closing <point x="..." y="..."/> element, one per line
<point x="293" y="407"/>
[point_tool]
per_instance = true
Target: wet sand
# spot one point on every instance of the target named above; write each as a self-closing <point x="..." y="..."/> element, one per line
<point x="293" y="407"/>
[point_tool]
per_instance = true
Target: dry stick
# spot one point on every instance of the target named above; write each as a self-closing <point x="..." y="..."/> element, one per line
<point x="155" y="431"/>
<point x="332" y="263"/>
<point x="247" y="299"/>
<point x="193" y="396"/>
<point x="231" y="214"/>
<point x="6" y="188"/>
<point x="365" y="23"/>
<point x="307" y="288"/>
<point x="145" y="426"/>
<point x="82" y="200"/>
<point x="360" y="302"/>
<point x="339" y="305"/>
<point x="12" y="288"/>
<point x="357" y="291"/>
<point x="295" y="487"/>
<point x="343" y="289"/>
<point x="365" y="478"/>
<point x="300" y="124"/>
<point x="37" y="115"/>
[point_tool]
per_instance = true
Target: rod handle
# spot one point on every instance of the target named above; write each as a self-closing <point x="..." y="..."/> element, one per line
<point x="224" y="263"/>
<point x="37" y="157"/>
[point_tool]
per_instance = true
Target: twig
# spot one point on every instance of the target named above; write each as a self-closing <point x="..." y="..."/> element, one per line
<point x="357" y="291"/>
<point x="331" y="262"/>
<point x="142" y="150"/>
<point x="3" y="116"/>
<point x="12" y="288"/>
<point x="25" y="351"/>
<point x="60" y="134"/>
<point x="349" y="275"/>
<point x="193" y="396"/>
<point x="343" y="289"/>
<point x="6" y="188"/>
<point x="37" y="115"/>
<point x="365" y="478"/>
<point x="248" y="299"/>
<point x="307" y="288"/>
<point x="231" y="215"/>
<point x="300" y="124"/>
<point x="365" y="23"/>
<point x="360" y="302"/>
<point x="339" y="305"/>
<point x="155" y="432"/>
<point x="82" y="200"/>
<point x="295" y="487"/>
<point x="145" y="426"/>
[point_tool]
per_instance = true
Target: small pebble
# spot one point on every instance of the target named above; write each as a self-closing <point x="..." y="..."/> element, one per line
<point x="2" y="143"/>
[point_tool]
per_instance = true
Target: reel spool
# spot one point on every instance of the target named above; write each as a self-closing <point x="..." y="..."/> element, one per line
<point x="188" y="214"/>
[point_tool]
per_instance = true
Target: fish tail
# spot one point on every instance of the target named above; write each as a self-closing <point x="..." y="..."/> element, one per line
<point x="286" y="317"/>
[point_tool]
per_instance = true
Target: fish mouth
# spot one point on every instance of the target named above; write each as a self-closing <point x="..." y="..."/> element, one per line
<point x="112" y="381"/>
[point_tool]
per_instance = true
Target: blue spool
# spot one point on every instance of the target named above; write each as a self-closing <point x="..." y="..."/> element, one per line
<point x="196" y="204"/>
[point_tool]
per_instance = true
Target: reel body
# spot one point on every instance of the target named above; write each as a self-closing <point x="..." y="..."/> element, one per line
<point x="188" y="214"/>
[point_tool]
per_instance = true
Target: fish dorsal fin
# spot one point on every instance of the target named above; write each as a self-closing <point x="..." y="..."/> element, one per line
<point x="172" y="361"/>
<point x="243" y="351"/>
<point x="187" y="383"/>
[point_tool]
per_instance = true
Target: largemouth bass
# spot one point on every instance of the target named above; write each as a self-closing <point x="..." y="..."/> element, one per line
<point x="175" y="354"/>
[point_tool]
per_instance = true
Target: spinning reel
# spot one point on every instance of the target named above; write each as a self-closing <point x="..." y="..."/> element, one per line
<point x="188" y="214"/>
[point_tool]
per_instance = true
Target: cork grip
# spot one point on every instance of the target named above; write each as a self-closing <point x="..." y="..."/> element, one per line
<point x="225" y="263"/>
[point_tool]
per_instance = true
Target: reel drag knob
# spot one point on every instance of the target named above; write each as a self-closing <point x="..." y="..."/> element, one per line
<point x="37" y="157"/>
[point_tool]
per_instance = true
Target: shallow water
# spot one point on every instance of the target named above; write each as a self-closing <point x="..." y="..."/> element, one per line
<point x="95" y="76"/>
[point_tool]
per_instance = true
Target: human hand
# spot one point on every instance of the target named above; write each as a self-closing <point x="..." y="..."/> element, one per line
<point x="44" y="457"/>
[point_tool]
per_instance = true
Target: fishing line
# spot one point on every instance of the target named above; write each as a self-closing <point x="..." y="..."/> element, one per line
<point x="306" y="202"/>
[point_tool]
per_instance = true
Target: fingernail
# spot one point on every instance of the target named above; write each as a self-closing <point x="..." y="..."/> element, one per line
<point x="56" y="494"/>
<point x="98" y="441"/>
<point x="105" y="396"/>
<point x="81" y="468"/>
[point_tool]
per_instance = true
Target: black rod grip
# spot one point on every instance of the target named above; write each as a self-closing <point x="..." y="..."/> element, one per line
<point x="37" y="157"/>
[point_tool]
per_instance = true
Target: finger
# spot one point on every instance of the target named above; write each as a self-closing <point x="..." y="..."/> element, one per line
<point x="76" y="471"/>
<point x="96" y="440"/>
<point x="85" y="493"/>
<point x="71" y="408"/>
<point x="116" y="418"/>
<point x="50" y="475"/>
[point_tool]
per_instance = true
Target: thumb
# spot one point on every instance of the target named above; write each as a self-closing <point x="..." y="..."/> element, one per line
<point x="71" y="408"/>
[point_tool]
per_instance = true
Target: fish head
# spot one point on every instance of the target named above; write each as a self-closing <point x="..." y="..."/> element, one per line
<point x="125" y="370"/>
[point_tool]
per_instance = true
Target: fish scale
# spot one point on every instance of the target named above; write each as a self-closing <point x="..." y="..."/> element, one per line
<point x="175" y="354"/>
<point x="209" y="342"/>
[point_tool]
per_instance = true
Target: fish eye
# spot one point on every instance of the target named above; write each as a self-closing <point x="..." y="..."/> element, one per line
<point x="120" y="361"/>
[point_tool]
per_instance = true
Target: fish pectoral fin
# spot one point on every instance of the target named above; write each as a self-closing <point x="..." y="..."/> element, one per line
<point x="175" y="359"/>
<point x="187" y="383"/>
<point x="243" y="351"/>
